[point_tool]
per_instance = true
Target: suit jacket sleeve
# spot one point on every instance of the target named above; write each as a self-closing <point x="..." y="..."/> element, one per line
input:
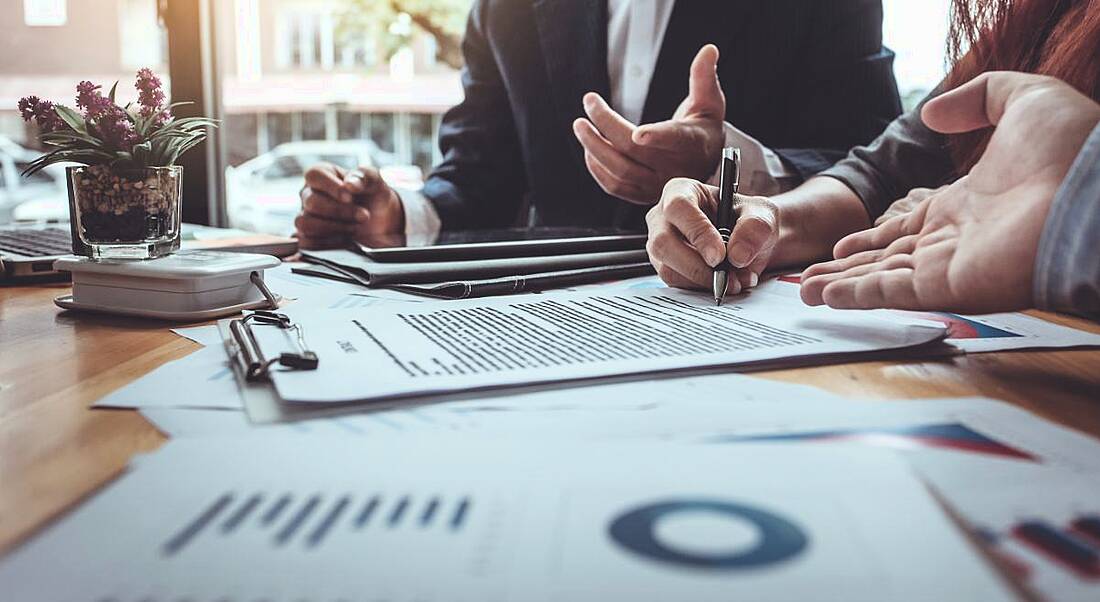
<point x="1067" y="266"/>
<point x="480" y="182"/>
<point x="846" y="94"/>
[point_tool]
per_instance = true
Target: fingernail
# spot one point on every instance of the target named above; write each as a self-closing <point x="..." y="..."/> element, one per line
<point x="713" y="256"/>
<point x="362" y="215"/>
<point x="740" y="254"/>
<point x="754" y="279"/>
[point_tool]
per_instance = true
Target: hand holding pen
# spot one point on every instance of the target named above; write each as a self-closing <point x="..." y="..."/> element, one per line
<point x="685" y="246"/>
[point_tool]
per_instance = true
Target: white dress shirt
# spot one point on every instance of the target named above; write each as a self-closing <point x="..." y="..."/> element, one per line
<point x="635" y="32"/>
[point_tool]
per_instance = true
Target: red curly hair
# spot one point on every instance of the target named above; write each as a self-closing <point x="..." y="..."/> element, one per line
<point x="1059" y="38"/>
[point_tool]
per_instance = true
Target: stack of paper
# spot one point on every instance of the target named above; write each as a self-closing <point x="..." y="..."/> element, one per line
<point x="522" y="448"/>
<point x="439" y="518"/>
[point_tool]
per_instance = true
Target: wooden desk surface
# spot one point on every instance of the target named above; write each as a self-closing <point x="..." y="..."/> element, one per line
<point x="54" y="450"/>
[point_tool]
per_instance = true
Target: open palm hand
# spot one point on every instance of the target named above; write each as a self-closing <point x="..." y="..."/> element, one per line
<point x="970" y="247"/>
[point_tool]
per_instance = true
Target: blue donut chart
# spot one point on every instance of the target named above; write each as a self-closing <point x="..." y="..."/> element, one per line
<point x="780" y="538"/>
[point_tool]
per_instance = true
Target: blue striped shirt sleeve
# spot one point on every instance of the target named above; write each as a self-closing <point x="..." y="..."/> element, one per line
<point x="1067" y="265"/>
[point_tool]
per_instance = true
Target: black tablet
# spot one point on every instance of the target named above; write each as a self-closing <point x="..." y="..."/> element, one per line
<point x="470" y="245"/>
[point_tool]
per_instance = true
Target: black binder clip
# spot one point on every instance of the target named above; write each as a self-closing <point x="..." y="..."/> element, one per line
<point x="255" y="365"/>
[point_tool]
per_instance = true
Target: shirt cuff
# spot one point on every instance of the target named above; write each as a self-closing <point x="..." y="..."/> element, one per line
<point x="763" y="173"/>
<point x="1067" y="266"/>
<point x="422" y="223"/>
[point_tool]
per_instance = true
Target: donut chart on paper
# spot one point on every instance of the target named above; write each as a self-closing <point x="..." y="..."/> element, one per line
<point x="778" y="538"/>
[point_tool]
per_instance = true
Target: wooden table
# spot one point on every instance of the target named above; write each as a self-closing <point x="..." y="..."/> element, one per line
<point x="55" y="451"/>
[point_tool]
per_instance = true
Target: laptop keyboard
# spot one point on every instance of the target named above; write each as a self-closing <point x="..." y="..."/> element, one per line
<point x="36" y="242"/>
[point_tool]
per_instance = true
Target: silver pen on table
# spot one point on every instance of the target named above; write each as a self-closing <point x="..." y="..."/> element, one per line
<point x="729" y="178"/>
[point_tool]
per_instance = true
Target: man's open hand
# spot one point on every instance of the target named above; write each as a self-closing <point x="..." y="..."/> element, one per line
<point x="634" y="163"/>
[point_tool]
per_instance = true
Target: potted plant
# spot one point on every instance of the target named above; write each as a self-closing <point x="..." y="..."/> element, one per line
<point x="125" y="195"/>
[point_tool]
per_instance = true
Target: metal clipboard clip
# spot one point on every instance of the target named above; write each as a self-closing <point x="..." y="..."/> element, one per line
<point x="251" y="357"/>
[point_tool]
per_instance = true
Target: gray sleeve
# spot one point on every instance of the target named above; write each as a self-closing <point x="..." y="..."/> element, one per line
<point x="907" y="155"/>
<point x="1067" y="266"/>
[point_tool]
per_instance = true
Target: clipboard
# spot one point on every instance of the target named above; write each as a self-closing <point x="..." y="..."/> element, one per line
<point x="247" y="354"/>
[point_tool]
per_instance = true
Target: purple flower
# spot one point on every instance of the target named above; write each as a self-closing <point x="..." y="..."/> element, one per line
<point x="89" y="98"/>
<point x="110" y="120"/>
<point x="27" y="106"/>
<point x="116" y="128"/>
<point x="150" y="95"/>
<point x="42" y="112"/>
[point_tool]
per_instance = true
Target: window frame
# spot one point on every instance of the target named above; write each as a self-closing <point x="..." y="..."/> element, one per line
<point x="192" y="69"/>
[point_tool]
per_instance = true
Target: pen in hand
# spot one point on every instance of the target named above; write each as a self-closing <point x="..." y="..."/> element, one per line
<point x="727" y="190"/>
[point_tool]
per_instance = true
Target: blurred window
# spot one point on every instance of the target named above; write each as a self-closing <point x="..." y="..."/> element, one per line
<point x="349" y="126"/>
<point x="917" y="33"/>
<point x="45" y="13"/>
<point x="280" y="128"/>
<point x="321" y="72"/>
<point x="313" y="126"/>
<point x="51" y="45"/>
<point x="382" y="130"/>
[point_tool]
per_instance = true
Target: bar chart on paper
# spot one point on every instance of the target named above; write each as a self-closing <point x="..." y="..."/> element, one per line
<point x="274" y="520"/>
<point x="289" y="520"/>
<point x="1051" y="541"/>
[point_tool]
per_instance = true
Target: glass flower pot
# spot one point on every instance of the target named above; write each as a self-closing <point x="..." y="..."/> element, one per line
<point x="125" y="213"/>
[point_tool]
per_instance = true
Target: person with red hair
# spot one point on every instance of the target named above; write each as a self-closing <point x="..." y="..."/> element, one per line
<point x="910" y="162"/>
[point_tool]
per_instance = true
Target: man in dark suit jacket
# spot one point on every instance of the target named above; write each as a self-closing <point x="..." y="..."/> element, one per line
<point x="808" y="80"/>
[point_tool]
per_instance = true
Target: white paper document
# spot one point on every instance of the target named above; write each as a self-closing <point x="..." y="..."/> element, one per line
<point x="203" y="379"/>
<point x="1027" y="488"/>
<point x="1002" y="332"/>
<point x="593" y="411"/>
<point x="207" y="336"/>
<point x="443" y="519"/>
<point x="981" y="333"/>
<point x="398" y="350"/>
<point x="283" y="281"/>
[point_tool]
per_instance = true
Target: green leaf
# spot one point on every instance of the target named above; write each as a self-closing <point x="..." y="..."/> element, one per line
<point x="141" y="153"/>
<point x="85" y="156"/>
<point x="71" y="137"/>
<point x="114" y="89"/>
<point x="71" y="118"/>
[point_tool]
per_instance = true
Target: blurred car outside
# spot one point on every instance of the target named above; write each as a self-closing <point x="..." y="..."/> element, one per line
<point x="263" y="193"/>
<point x="41" y="196"/>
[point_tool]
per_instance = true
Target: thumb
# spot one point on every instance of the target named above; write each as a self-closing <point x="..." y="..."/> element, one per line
<point x="705" y="96"/>
<point x="977" y="104"/>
